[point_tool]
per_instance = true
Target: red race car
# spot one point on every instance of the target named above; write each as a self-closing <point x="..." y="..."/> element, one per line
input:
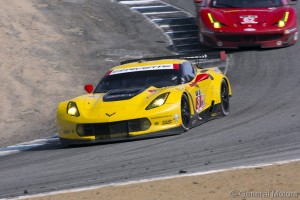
<point x="247" y="23"/>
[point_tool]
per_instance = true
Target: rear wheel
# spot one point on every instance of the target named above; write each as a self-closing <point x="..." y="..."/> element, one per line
<point x="224" y="99"/>
<point x="185" y="112"/>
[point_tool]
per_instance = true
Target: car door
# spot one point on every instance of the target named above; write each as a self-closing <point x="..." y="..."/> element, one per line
<point x="198" y="88"/>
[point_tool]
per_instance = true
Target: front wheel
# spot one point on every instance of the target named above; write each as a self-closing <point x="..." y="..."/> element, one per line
<point x="185" y="112"/>
<point x="224" y="98"/>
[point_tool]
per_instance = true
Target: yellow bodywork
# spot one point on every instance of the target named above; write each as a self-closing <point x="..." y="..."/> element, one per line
<point x="93" y="109"/>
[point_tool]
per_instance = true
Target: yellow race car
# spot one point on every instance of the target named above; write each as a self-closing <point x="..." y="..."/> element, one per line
<point x="146" y="98"/>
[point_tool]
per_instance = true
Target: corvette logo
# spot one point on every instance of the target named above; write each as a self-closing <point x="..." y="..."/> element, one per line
<point x="109" y="115"/>
<point x="249" y="19"/>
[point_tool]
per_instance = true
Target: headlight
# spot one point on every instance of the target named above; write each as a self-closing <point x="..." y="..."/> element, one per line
<point x="215" y="23"/>
<point x="282" y="22"/>
<point x="72" y="109"/>
<point x="158" y="101"/>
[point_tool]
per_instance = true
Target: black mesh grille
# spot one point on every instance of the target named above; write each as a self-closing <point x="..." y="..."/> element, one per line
<point x="208" y="39"/>
<point x="114" y="129"/>
<point x="249" y="38"/>
<point x="106" y="130"/>
<point x="229" y="38"/>
<point x="270" y="37"/>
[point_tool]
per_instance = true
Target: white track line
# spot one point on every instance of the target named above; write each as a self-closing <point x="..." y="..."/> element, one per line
<point x="145" y="7"/>
<point x="156" y="179"/>
<point x="170" y="26"/>
<point x="169" y="32"/>
<point x="137" y="2"/>
<point x="161" y="19"/>
<point x="157" y="13"/>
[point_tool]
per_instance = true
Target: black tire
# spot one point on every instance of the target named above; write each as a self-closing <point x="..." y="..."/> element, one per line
<point x="185" y="113"/>
<point x="225" y="105"/>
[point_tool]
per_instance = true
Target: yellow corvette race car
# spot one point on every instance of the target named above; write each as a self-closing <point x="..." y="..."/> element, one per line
<point x="146" y="98"/>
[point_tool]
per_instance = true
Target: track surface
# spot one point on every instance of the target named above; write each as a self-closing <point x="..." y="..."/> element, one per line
<point x="263" y="126"/>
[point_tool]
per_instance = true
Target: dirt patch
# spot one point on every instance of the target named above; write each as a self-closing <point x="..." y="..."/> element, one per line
<point x="272" y="182"/>
<point x="51" y="48"/>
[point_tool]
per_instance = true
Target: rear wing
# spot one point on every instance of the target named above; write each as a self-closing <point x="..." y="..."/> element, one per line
<point x="195" y="58"/>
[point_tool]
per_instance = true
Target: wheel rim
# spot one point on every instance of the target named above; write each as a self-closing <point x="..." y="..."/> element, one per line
<point x="185" y="112"/>
<point x="225" y="98"/>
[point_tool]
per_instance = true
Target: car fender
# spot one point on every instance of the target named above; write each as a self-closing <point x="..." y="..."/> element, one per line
<point x="218" y="78"/>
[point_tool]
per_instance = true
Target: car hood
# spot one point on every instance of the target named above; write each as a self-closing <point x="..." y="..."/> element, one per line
<point x="124" y="101"/>
<point x="249" y="19"/>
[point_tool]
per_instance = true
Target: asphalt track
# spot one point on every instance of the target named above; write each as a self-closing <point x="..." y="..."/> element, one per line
<point x="263" y="126"/>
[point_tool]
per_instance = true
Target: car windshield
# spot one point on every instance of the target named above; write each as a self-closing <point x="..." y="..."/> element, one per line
<point x="246" y="3"/>
<point x="156" y="78"/>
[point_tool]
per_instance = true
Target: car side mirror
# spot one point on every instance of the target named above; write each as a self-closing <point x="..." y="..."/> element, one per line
<point x="89" y="88"/>
<point x="199" y="78"/>
<point x="292" y="2"/>
<point x="198" y="3"/>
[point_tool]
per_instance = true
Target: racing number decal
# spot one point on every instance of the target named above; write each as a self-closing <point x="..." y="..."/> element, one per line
<point x="198" y="100"/>
<point x="249" y="19"/>
<point x="200" y="103"/>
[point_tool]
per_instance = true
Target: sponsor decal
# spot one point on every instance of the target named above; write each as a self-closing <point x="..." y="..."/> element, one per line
<point x="196" y="57"/>
<point x="142" y="68"/>
<point x="156" y="123"/>
<point x="161" y="117"/>
<point x="231" y="11"/>
<point x="249" y="19"/>
<point x="249" y="29"/>
<point x="169" y="121"/>
<point x="200" y="101"/>
<point x="176" y="117"/>
<point x="152" y="91"/>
